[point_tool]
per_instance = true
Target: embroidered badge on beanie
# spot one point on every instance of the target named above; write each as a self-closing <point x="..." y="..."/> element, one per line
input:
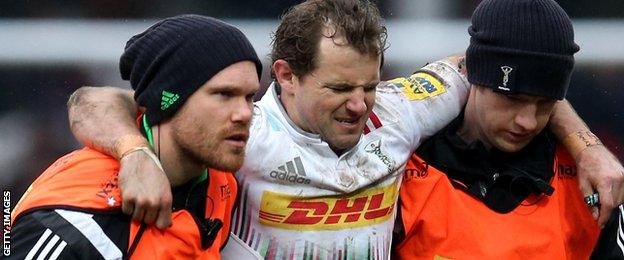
<point x="170" y="60"/>
<point x="521" y="46"/>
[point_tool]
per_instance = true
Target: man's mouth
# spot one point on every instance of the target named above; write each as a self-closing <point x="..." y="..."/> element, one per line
<point x="237" y="139"/>
<point x="349" y="123"/>
<point x="517" y="137"/>
<point x="349" y="120"/>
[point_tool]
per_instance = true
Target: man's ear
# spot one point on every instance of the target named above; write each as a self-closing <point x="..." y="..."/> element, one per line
<point x="284" y="76"/>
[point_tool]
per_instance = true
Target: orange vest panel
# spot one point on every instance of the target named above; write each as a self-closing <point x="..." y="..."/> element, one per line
<point x="87" y="180"/>
<point x="443" y="222"/>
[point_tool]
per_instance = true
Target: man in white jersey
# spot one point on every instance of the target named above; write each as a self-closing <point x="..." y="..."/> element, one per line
<point x="328" y="141"/>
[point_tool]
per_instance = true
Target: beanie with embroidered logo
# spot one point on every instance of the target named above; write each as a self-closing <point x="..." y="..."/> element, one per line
<point x="521" y="47"/>
<point x="169" y="61"/>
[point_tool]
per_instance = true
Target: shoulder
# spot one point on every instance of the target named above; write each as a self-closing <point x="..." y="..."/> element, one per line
<point x="84" y="159"/>
<point x="84" y="178"/>
<point x="68" y="234"/>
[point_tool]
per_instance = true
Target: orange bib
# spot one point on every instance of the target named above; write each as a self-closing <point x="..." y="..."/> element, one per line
<point x="443" y="222"/>
<point x="86" y="180"/>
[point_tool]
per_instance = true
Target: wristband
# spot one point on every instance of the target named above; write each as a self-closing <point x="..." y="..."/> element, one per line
<point x="578" y="141"/>
<point x="128" y="142"/>
<point x="146" y="150"/>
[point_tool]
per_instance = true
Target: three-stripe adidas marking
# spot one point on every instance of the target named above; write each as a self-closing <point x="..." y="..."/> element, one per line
<point x="168" y="99"/>
<point x="292" y="171"/>
<point x="52" y="247"/>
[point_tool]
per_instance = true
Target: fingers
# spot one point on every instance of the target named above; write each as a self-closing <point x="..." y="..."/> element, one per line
<point x="164" y="218"/>
<point x="127" y="206"/>
<point x="150" y="214"/>
<point x="164" y="214"/>
<point x="606" y="204"/>
<point x="145" y="188"/>
<point x="587" y="190"/>
<point x="139" y="213"/>
<point x="159" y="213"/>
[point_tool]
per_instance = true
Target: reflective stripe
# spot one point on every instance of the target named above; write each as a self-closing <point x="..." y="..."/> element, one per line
<point x="58" y="251"/>
<point x="620" y="235"/>
<point x="35" y="248"/>
<point x="48" y="247"/>
<point x="93" y="232"/>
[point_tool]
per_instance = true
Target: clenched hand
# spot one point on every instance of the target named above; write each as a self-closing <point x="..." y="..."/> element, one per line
<point x="599" y="170"/>
<point x="145" y="190"/>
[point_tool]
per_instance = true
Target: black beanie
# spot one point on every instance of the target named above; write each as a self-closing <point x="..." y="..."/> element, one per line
<point x="521" y="46"/>
<point x="170" y="60"/>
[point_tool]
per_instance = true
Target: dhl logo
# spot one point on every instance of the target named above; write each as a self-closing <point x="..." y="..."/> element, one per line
<point x="366" y="208"/>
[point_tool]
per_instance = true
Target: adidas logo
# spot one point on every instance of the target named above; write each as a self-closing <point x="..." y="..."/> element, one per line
<point x="291" y="171"/>
<point x="168" y="99"/>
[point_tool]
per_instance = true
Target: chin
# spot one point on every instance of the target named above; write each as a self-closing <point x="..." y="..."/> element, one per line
<point x="225" y="161"/>
<point x="344" y="144"/>
<point x="511" y="147"/>
<point x="228" y="164"/>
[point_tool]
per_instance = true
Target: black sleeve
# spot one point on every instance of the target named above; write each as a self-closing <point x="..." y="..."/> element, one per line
<point x="611" y="242"/>
<point x="48" y="234"/>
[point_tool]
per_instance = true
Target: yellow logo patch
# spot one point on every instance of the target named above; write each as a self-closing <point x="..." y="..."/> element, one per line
<point x="420" y="86"/>
<point x="365" y="208"/>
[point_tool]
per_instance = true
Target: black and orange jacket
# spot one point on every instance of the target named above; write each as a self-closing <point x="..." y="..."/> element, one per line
<point x="75" y="204"/>
<point x="462" y="201"/>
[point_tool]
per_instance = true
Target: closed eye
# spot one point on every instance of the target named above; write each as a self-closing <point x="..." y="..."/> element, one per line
<point x="339" y="88"/>
<point x="225" y="93"/>
<point x="250" y="97"/>
<point x="371" y="87"/>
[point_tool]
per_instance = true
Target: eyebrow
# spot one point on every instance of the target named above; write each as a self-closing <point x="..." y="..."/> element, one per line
<point x="345" y="85"/>
<point x="229" y="88"/>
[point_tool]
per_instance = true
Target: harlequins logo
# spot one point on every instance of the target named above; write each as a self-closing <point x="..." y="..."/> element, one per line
<point x="168" y="99"/>
<point x="506" y="70"/>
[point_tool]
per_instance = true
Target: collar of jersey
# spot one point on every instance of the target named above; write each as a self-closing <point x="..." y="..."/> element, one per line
<point x="276" y="109"/>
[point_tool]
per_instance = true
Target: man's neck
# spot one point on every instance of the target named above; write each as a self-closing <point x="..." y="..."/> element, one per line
<point x="288" y="103"/>
<point x="468" y="130"/>
<point x="179" y="166"/>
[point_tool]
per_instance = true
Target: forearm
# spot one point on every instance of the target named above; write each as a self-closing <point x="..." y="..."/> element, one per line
<point x="565" y="121"/>
<point x="570" y="129"/>
<point x="103" y="118"/>
<point x="442" y="107"/>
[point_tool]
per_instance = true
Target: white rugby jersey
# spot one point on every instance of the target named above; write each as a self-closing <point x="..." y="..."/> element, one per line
<point x="299" y="200"/>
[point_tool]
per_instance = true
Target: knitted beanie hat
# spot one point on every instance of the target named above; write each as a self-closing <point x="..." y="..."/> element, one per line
<point x="521" y="46"/>
<point x="170" y="60"/>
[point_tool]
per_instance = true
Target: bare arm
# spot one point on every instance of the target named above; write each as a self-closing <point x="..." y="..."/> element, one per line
<point x="598" y="169"/>
<point x="93" y="109"/>
<point x="565" y="121"/>
<point x="103" y="119"/>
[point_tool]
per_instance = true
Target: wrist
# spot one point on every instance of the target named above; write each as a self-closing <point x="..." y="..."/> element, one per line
<point x="578" y="141"/>
<point x="145" y="150"/>
<point x="128" y="143"/>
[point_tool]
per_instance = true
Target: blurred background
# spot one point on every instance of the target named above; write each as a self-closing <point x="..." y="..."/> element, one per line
<point x="48" y="49"/>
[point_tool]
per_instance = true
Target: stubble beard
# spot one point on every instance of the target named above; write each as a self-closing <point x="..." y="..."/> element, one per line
<point x="207" y="148"/>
